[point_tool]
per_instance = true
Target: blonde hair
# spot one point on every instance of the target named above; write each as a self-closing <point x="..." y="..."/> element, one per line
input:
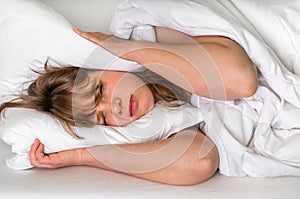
<point x="56" y="91"/>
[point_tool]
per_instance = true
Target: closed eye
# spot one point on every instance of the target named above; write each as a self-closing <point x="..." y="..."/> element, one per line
<point x="101" y="118"/>
<point x="98" y="97"/>
<point x="99" y="93"/>
<point x="104" y="120"/>
<point x="101" y="89"/>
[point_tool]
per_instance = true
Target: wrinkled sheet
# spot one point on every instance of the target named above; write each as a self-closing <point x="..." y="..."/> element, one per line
<point x="266" y="141"/>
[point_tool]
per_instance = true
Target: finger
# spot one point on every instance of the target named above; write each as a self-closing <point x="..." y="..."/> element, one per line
<point x="77" y="30"/>
<point x="91" y="36"/>
<point x="36" y="154"/>
<point x="33" y="148"/>
<point x="40" y="152"/>
<point x="34" y="145"/>
<point x="81" y="33"/>
<point x="37" y="157"/>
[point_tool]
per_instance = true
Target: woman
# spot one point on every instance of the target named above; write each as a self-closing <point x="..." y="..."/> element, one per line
<point x="86" y="97"/>
<point x="214" y="67"/>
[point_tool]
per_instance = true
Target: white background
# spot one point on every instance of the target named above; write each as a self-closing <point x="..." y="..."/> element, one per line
<point x="89" y="15"/>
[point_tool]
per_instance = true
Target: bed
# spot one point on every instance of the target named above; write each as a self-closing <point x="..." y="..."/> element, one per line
<point x="85" y="182"/>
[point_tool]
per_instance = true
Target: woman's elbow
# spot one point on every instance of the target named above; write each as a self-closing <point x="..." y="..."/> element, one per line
<point x="246" y="88"/>
<point x="249" y="83"/>
<point x="206" y="168"/>
<point x="201" y="171"/>
<point x="246" y="84"/>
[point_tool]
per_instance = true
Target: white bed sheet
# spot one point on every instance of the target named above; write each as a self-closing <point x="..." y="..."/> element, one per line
<point x="85" y="182"/>
<point x="269" y="143"/>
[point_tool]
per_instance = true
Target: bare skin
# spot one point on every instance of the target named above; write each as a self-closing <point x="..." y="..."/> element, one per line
<point x="190" y="163"/>
<point x="210" y="66"/>
<point x="214" y="67"/>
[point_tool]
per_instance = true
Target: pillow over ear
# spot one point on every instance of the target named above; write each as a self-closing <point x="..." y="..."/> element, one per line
<point x="30" y="32"/>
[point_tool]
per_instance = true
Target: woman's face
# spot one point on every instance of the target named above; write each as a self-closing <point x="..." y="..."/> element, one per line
<point x="121" y="97"/>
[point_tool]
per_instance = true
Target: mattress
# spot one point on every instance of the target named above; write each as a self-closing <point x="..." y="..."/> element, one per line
<point x="87" y="182"/>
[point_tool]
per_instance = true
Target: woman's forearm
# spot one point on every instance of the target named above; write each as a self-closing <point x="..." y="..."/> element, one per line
<point x="185" y="159"/>
<point x="211" y="66"/>
<point x="218" y="70"/>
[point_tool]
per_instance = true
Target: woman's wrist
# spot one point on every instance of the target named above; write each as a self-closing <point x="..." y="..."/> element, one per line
<point x="126" y="49"/>
<point x="85" y="158"/>
<point x="81" y="156"/>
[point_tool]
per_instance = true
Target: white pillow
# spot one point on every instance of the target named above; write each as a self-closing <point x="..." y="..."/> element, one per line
<point x="29" y="33"/>
<point x="22" y="126"/>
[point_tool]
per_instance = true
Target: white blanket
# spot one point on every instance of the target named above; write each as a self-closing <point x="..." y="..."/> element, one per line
<point x="269" y="33"/>
<point x="267" y="30"/>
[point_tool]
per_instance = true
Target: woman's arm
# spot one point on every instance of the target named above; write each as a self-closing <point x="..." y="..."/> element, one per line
<point x="185" y="159"/>
<point x="210" y="66"/>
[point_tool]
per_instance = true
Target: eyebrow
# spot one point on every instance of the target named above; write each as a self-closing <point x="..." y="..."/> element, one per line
<point x="97" y="100"/>
<point x="97" y="94"/>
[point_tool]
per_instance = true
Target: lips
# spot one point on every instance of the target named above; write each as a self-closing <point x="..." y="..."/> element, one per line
<point x="132" y="106"/>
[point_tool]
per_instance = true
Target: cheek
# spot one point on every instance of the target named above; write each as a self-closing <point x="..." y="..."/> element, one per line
<point x="149" y="101"/>
<point x="146" y="100"/>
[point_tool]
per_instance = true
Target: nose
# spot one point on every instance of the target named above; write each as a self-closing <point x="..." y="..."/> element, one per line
<point x="115" y="106"/>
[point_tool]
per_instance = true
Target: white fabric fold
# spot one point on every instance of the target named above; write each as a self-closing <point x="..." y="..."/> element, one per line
<point x="22" y="126"/>
<point x="257" y="136"/>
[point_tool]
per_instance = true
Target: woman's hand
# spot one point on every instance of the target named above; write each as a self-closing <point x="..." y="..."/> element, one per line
<point x="96" y="37"/>
<point x="185" y="159"/>
<point x="61" y="159"/>
<point x="120" y="47"/>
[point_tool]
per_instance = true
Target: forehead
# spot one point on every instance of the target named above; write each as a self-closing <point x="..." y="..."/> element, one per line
<point x="85" y="82"/>
<point x="95" y="76"/>
<point x="108" y="76"/>
<point x="83" y="95"/>
<point x="119" y="79"/>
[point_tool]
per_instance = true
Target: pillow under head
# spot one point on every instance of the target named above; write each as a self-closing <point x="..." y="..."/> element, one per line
<point x="31" y="32"/>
